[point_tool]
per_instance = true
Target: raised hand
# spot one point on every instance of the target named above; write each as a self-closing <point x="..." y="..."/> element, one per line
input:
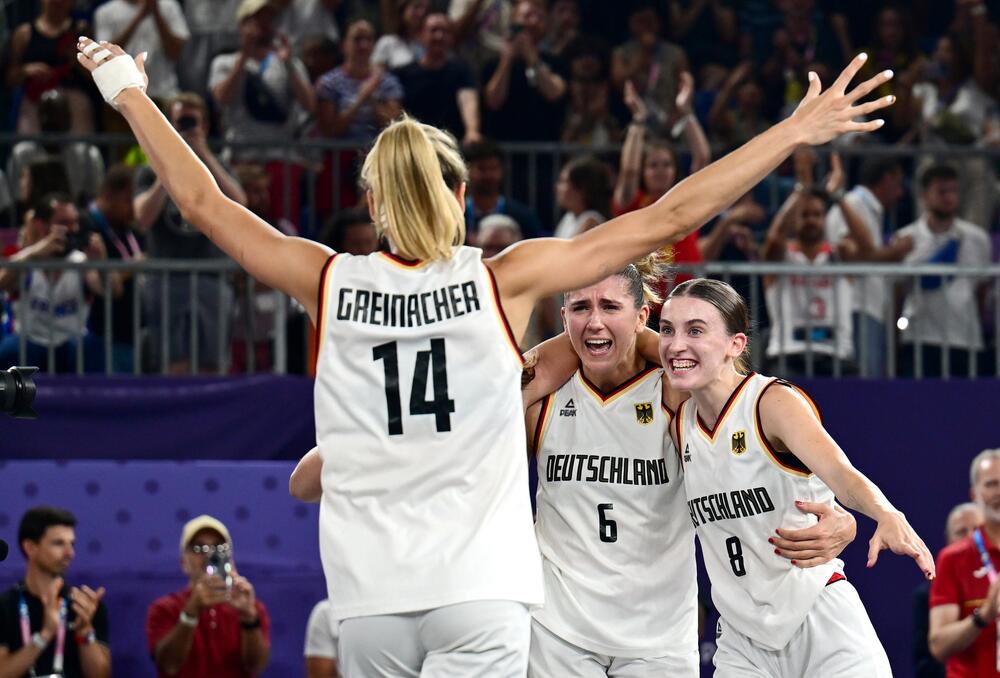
<point x="85" y="601"/>
<point x="93" y="55"/>
<point x="685" y="92"/>
<point x="821" y="116"/>
<point x="836" y="179"/>
<point x="895" y="534"/>
<point x="635" y="103"/>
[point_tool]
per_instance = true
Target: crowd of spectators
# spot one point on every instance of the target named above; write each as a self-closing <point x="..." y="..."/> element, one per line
<point x="570" y="112"/>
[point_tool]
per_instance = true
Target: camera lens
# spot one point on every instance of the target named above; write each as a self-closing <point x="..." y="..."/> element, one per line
<point x="17" y="392"/>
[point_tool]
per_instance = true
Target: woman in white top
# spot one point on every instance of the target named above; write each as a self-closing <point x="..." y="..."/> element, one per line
<point x="584" y="191"/>
<point x="429" y="496"/>
<point x="395" y="50"/>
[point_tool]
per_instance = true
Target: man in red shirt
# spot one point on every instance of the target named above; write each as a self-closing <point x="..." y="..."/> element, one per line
<point x="963" y="601"/>
<point x="208" y="629"/>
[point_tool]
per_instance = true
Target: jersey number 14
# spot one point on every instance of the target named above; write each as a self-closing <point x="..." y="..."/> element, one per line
<point x="431" y="365"/>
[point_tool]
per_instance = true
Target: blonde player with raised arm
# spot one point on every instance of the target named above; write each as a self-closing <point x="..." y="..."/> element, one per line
<point x="753" y="447"/>
<point x="425" y="529"/>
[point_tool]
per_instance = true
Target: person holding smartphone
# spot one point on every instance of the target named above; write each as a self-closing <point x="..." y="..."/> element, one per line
<point x="215" y="626"/>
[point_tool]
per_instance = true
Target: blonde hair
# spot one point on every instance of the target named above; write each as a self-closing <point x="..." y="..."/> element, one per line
<point x="642" y="276"/>
<point x="407" y="172"/>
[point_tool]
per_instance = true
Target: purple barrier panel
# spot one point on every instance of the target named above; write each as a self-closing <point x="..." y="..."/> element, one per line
<point x="258" y="417"/>
<point x="130" y="516"/>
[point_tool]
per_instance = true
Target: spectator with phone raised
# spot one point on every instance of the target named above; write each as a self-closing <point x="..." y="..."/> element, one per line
<point x="215" y="626"/>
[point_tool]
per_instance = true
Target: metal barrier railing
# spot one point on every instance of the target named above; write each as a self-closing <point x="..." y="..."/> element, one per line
<point x="319" y="176"/>
<point x="155" y="291"/>
<point x="791" y="337"/>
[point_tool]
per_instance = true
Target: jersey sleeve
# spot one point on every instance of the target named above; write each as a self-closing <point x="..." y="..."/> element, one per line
<point x="946" y="588"/>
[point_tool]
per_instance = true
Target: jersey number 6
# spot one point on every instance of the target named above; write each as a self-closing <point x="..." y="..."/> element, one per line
<point x="608" y="527"/>
<point x="430" y="365"/>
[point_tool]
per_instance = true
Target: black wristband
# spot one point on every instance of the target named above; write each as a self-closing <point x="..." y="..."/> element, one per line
<point x="977" y="619"/>
<point x="250" y="626"/>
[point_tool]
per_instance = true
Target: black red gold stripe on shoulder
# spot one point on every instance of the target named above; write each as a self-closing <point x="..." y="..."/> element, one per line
<point x="667" y="409"/>
<point x="620" y="388"/>
<point x="835" y="577"/>
<point x="503" y="315"/>
<point x="805" y="394"/>
<point x="543" y="414"/>
<point x="402" y="261"/>
<point x="710" y="432"/>
<point x="321" y="303"/>
<point x="677" y="431"/>
<point x="786" y="461"/>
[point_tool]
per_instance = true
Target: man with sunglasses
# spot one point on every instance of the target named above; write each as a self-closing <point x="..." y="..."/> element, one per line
<point x="215" y="626"/>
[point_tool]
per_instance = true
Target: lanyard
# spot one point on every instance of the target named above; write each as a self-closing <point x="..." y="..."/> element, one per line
<point x="991" y="574"/>
<point x="57" y="660"/>
<point x="127" y="251"/>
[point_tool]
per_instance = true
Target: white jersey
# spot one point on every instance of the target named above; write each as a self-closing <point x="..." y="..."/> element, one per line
<point x="617" y="546"/>
<point x="420" y="426"/>
<point x="813" y="310"/>
<point x="739" y="491"/>
<point x="54" y="309"/>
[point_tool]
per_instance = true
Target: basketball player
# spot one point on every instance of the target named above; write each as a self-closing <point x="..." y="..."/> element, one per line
<point x="616" y="541"/>
<point x="752" y="446"/>
<point x="425" y="530"/>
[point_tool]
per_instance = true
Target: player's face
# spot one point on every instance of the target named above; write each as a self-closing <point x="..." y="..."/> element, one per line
<point x="986" y="491"/>
<point x="54" y="551"/>
<point x="602" y="323"/>
<point x="695" y="346"/>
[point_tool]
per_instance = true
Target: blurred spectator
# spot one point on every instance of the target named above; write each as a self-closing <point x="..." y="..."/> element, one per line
<point x="810" y="315"/>
<point x="943" y="313"/>
<point x="303" y="19"/>
<point x="53" y="312"/>
<point x="732" y="236"/>
<point x="320" y="54"/>
<point x="653" y="65"/>
<point x="805" y="40"/>
<point x="356" y="99"/>
<point x="169" y="236"/>
<point x="484" y="193"/>
<point x="893" y="46"/>
<point x="734" y="125"/>
<point x="648" y="170"/>
<point x="395" y="50"/>
<point x="262" y="91"/>
<point x="215" y="626"/>
<point x="589" y="119"/>
<point x="964" y="594"/>
<point x="880" y="189"/>
<point x="564" y="26"/>
<point x="113" y="217"/>
<point x="962" y="521"/>
<point x="213" y="32"/>
<point x="950" y="107"/>
<point x="40" y="617"/>
<point x="706" y="29"/>
<point x="156" y="27"/>
<point x="438" y="89"/>
<point x="584" y="191"/>
<point x="497" y="232"/>
<point x="321" y="642"/>
<point x="481" y="28"/>
<point x="351" y="231"/>
<point x="256" y="311"/>
<point x="83" y="163"/>
<point x="41" y="57"/>
<point x="525" y="83"/>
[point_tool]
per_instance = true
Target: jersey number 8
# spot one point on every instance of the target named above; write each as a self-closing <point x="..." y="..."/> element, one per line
<point x="431" y="365"/>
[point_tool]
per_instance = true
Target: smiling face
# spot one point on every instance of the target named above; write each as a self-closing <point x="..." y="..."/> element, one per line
<point x="696" y="347"/>
<point x="659" y="170"/>
<point x="602" y="322"/>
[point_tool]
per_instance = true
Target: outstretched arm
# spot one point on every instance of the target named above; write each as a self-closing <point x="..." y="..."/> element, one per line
<point x="292" y="265"/>
<point x="548" y="366"/>
<point x="538" y="268"/>
<point x="791" y="425"/>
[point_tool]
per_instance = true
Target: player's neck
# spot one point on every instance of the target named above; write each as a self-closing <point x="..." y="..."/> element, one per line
<point x="610" y="377"/>
<point x="714" y="396"/>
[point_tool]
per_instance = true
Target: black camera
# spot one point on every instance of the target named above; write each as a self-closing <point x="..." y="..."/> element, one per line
<point x="186" y="122"/>
<point x="79" y="239"/>
<point x="17" y="392"/>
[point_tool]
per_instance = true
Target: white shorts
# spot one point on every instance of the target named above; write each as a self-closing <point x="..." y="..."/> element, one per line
<point x="487" y="638"/>
<point x="836" y="639"/>
<point x="553" y="657"/>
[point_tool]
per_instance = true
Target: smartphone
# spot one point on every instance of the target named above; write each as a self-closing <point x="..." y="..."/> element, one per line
<point x="220" y="564"/>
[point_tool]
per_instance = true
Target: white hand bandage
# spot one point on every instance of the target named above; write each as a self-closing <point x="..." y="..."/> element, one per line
<point x="116" y="75"/>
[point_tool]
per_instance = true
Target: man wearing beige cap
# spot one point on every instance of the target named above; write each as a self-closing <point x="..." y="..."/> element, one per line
<point x="215" y="626"/>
